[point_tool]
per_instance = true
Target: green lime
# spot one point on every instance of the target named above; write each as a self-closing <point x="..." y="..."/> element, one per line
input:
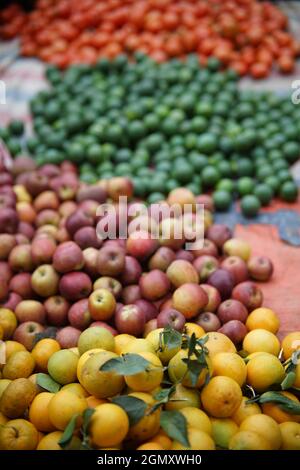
<point x="245" y="185"/>
<point x="226" y="184"/>
<point x="291" y="151"/>
<point x="289" y="191"/>
<point x="16" y="127"/>
<point x="222" y="200"/>
<point x="264" y="193"/>
<point x="210" y="176"/>
<point x="250" y="205"/>
<point x="207" y="143"/>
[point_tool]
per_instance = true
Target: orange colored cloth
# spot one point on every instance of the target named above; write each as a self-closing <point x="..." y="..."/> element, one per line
<point x="282" y="293"/>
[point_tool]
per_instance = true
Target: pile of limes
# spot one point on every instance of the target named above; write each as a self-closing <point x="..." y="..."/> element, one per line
<point x="167" y="125"/>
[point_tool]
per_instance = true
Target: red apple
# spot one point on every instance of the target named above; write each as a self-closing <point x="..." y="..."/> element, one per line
<point x="232" y="310"/>
<point x="108" y="327"/>
<point x="47" y="217"/>
<point x="235" y="330"/>
<point x="21" y="285"/>
<point x="140" y="245"/>
<point x="206" y="201"/>
<point x="249" y="294"/>
<point x="208" y="321"/>
<point x="26" y="333"/>
<point x="42" y="250"/>
<point x="205" y="247"/>
<point x="9" y="220"/>
<point x="205" y="265"/>
<point x="6" y="178"/>
<point x="68" y="337"/>
<point x="69" y="167"/>
<point x="181" y="272"/>
<point x="7" y="243"/>
<point x="260" y="268"/>
<point x="185" y="255"/>
<point x="46" y="200"/>
<point x="148" y="308"/>
<point x="21" y="239"/>
<point x="110" y="261"/>
<point x="171" y="317"/>
<point x="86" y="237"/>
<point x="7" y="200"/>
<point x="20" y="258"/>
<point x="219" y="234"/>
<point x="189" y="299"/>
<point x="89" y="207"/>
<point x="172" y="233"/>
<point x="45" y="280"/>
<point x="3" y="289"/>
<point x="79" y="315"/>
<point x="162" y="258"/>
<point x="101" y="304"/>
<point x="131" y="272"/>
<point x="130" y="294"/>
<point x="90" y="261"/>
<point x="150" y="326"/>
<point x="119" y="186"/>
<point x="23" y="164"/>
<point x="26" y="229"/>
<point x="11" y="301"/>
<point x="77" y="220"/>
<point x="75" y="285"/>
<point x="56" y="310"/>
<point x="5" y="271"/>
<point x="92" y="192"/>
<point x="214" y="298"/>
<point x="50" y="170"/>
<point x="65" y="186"/>
<point x="67" y="208"/>
<point x="237" y="267"/>
<point x="30" y="310"/>
<point x="68" y="257"/>
<point x="130" y="319"/>
<point x="109" y="283"/>
<point x="36" y="183"/>
<point x="154" y="285"/>
<point x="164" y="303"/>
<point x="223" y="281"/>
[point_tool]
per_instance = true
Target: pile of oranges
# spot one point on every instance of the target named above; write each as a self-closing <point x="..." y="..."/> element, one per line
<point x="216" y="410"/>
<point x="246" y="35"/>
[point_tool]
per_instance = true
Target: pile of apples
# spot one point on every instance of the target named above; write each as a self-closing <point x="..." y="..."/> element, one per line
<point x="56" y="272"/>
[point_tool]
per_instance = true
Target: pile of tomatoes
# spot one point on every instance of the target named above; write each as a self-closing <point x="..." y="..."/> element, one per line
<point x="247" y="35"/>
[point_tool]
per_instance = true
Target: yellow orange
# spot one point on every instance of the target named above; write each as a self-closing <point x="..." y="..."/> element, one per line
<point x="261" y="341"/>
<point x="263" y="371"/>
<point x="231" y="365"/>
<point x="109" y="425"/>
<point x="248" y="440"/>
<point x="163" y="440"/>
<point x="221" y="397"/>
<point x="263" y="318"/>
<point x="276" y="412"/>
<point x="149" y="425"/>
<point x="223" y="429"/>
<point x="121" y="341"/>
<point x="138" y="345"/>
<point x="290" y="434"/>
<point x="148" y="379"/>
<point x="217" y="342"/>
<point x="196" y="418"/>
<point x="198" y="440"/>
<point x="244" y="410"/>
<point x="164" y="353"/>
<point x="42" y="352"/>
<point x="290" y="343"/>
<point x="183" y="397"/>
<point x="39" y="413"/>
<point x="193" y="328"/>
<point x="18" y="434"/>
<point x="264" y="426"/>
<point x="63" y="406"/>
<point x="151" y="445"/>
